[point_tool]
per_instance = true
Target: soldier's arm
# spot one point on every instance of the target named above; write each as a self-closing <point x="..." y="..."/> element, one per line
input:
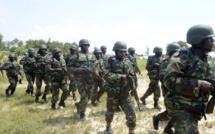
<point x="23" y="61"/>
<point x="150" y="65"/>
<point x="180" y="84"/>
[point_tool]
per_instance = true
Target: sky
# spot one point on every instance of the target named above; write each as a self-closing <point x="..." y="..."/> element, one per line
<point x="139" y="23"/>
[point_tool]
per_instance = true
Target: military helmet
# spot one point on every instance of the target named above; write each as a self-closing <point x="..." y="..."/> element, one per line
<point x="130" y="49"/>
<point x="120" y="45"/>
<point x="55" y="50"/>
<point x="83" y="42"/>
<point x="96" y="50"/>
<point x="103" y="47"/>
<point x="31" y="50"/>
<point x="157" y="49"/>
<point x="199" y="32"/>
<point x="43" y="47"/>
<point x="172" y="47"/>
<point x="12" y="55"/>
<point x="74" y="47"/>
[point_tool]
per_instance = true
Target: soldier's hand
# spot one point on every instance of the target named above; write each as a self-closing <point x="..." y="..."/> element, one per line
<point x="80" y="70"/>
<point x="206" y="86"/>
<point x="157" y="64"/>
<point x="59" y="69"/>
<point x="123" y="77"/>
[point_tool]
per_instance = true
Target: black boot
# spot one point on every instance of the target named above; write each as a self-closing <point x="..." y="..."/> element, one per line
<point x="53" y="106"/>
<point x="7" y="93"/>
<point x="62" y="103"/>
<point x="156" y="106"/>
<point x="27" y="90"/>
<point x="94" y="104"/>
<point x="44" y="98"/>
<point x="36" y="99"/>
<point x="155" y="121"/>
<point x="82" y="116"/>
<point x="74" y="96"/>
<point x="168" y="128"/>
<point x="143" y="100"/>
<point x="77" y="107"/>
<point x="109" y="130"/>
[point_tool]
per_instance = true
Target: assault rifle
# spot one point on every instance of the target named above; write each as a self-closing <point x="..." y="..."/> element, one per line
<point x="93" y="73"/>
<point x="130" y="81"/>
<point x="211" y="103"/>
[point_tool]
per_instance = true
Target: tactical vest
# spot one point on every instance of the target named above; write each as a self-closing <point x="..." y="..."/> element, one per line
<point x="12" y="71"/>
<point x="27" y="63"/>
<point x="41" y="69"/>
<point x="58" y="76"/>
<point x="154" y="72"/>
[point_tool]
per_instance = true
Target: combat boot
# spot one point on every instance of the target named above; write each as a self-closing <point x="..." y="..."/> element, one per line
<point x="143" y="100"/>
<point x="7" y="93"/>
<point x="32" y="93"/>
<point x="168" y="128"/>
<point x="74" y="96"/>
<point x="44" y="98"/>
<point x="27" y="90"/>
<point x="82" y="116"/>
<point x="155" y="121"/>
<point x="94" y="104"/>
<point x="77" y="107"/>
<point x="62" y="103"/>
<point x="53" y="106"/>
<point x="36" y="99"/>
<point x="156" y="106"/>
<point x="131" y="130"/>
<point x="98" y="98"/>
<point x="109" y="130"/>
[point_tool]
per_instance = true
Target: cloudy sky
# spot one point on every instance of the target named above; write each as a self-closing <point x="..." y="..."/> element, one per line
<point x="139" y="23"/>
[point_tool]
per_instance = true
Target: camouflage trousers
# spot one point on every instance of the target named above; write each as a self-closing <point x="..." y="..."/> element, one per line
<point x="153" y="88"/>
<point x="13" y="83"/>
<point x="39" y="79"/>
<point x="184" y="122"/>
<point x="72" y="86"/>
<point x="55" y="86"/>
<point x="30" y="78"/>
<point x="85" y="90"/>
<point x="97" y="84"/>
<point x="125" y="101"/>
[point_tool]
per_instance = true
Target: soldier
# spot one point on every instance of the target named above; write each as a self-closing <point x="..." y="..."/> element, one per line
<point x="104" y="55"/>
<point x="41" y="60"/>
<point x="69" y="60"/>
<point x="13" y="69"/>
<point x="98" y="81"/>
<point x="28" y="66"/>
<point x="152" y="67"/>
<point x="82" y="67"/>
<point x="188" y="92"/>
<point x="118" y="87"/>
<point x="58" y="72"/>
<point x="164" y="116"/>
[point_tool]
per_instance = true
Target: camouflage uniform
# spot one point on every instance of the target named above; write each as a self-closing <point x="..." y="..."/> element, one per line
<point x="41" y="74"/>
<point x="153" y="74"/>
<point x="83" y="79"/>
<point x="12" y="69"/>
<point x="28" y="66"/>
<point x="118" y="90"/>
<point x="188" y="93"/>
<point x="58" y="80"/>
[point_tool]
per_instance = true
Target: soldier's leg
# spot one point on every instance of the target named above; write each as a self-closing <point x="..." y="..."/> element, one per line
<point x="94" y="94"/>
<point x="64" y="87"/>
<point x="157" y="94"/>
<point x="38" y="87"/>
<point x="128" y="107"/>
<point x="184" y="122"/>
<point x="14" y="85"/>
<point x="111" y="105"/>
<point x="101" y="90"/>
<point x="73" y="88"/>
<point x="148" y="92"/>
<point x="163" y="116"/>
<point x="12" y="82"/>
<point x="47" y="81"/>
<point x="30" y="83"/>
<point x="55" y="94"/>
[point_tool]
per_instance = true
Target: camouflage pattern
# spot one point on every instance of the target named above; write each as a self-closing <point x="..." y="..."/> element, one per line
<point x="12" y="71"/>
<point x="185" y="102"/>
<point x="99" y="83"/>
<point x="28" y="67"/>
<point x="58" y="80"/>
<point x="41" y="75"/>
<point x="84" y="80"/>
<point x="153" y="76"/>
<point x="118" y="91"/>
<point x="133" y="59"/>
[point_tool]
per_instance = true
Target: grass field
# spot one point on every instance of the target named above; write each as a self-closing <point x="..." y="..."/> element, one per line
<point x="19" y="114"/>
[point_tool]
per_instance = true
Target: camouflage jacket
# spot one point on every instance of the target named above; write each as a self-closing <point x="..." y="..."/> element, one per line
<point x="40" y="64"/>
<point x="133" y="59"/>
<point x="153" y="72"/>
<point x="28" y="64"/>
<point x="70" y="57"/>
<point x="83" y="60"/>
<point x="105" y="59"/>
<point x="100" y="65"/>
<point x="183" y="76"/>
<point x="57" y="76"/>
<point x="115" y="70"/>
<point x="162" y="72"/>
<point x="12" y="68"/>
